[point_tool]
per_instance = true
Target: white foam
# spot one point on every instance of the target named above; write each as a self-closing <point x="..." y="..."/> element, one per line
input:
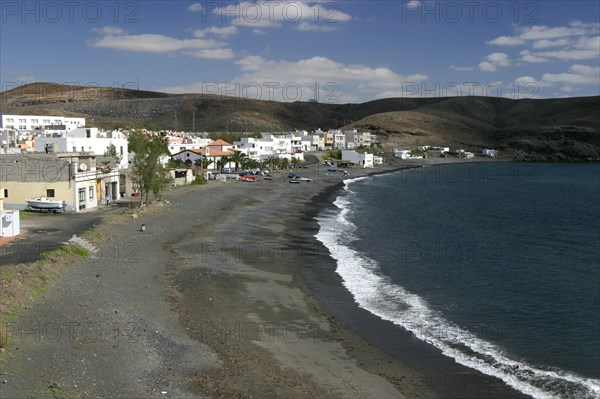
<point x="378" y="295"/>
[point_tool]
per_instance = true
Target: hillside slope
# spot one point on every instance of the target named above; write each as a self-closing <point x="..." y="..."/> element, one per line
<point x="550" y="129"/>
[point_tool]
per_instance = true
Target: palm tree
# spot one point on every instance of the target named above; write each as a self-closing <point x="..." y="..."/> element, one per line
<point x="284" y="162"/>
<point x="224" y="160"/>
<point x="203" y="162"/>
<point x="238" y="158"/>
<point x="272" y="162"/>
<point x="252" y="164"/>
<point x="294" y="161"/>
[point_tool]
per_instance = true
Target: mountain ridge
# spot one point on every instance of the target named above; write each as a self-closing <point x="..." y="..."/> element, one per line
<point x="529" y="129"/>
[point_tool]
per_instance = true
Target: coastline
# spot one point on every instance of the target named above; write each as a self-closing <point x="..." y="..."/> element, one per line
<point x="445" y="377"/>
<point x="226" y="294"/>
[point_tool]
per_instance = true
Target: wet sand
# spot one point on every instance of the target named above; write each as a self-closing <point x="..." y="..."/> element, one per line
<point x="226" y="294"/>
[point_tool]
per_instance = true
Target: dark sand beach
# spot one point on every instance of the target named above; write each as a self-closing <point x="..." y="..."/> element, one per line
<point x="226" y="294"/>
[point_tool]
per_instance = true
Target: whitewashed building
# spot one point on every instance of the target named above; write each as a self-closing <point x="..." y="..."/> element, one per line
<point x="85" y="140"/>
<point x="40" y="122"/>
<point x="402" y="154"/>
<point x="363" y="159"/>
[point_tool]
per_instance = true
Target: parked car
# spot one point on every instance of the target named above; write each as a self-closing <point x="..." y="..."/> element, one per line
<point x="293" y="175"/>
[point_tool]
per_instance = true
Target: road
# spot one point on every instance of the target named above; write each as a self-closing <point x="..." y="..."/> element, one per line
<point x="42" y="232"/>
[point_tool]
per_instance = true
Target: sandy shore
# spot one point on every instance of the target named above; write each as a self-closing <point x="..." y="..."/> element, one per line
<point x="215" y="299"/>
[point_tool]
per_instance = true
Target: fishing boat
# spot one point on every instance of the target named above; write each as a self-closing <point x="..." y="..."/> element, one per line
<point x="43" y="203"/>
<point x="248" y="179"/>
<point x="268" y="177"/>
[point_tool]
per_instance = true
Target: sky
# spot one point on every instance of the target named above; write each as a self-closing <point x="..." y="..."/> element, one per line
<point x="332" y="52"/>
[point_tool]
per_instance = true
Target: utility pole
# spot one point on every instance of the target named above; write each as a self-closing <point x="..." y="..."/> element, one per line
<point x="194" y="120"/>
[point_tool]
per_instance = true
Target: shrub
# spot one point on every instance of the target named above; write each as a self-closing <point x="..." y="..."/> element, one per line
<point x="199" y="180"/>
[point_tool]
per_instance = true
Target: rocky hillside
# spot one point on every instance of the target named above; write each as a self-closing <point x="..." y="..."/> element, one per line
<point x="552" y="129"/>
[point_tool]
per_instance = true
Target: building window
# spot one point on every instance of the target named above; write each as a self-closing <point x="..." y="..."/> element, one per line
<point x="91" y="192"/>
<point x="10" y="120"/>
<point x="88" y="133"/>
<point x="22" y="121"/>
<point x="74" y="149"/>
<point x="5" y="193"/>
<point x="50" y="193"/>
<point x="81" y="193"/>
<point x="34" y="121"/>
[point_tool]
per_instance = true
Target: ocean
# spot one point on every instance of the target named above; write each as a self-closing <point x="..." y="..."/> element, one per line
<point x="497" y="264"/>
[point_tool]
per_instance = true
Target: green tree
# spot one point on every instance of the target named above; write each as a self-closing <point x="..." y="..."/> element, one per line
<point x="238" y="158"/>
<point x="203" y="162"/>
<point x="175" y="163"/>
<point x="224" y="160"/>
<point x="148" y="174"/>
<point x="294" y="161"/>
<point x="284" y="162"/>
<point x="111" y="152"/>
<point x="273" y="162"/>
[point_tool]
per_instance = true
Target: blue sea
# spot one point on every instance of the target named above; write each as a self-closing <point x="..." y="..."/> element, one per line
<point x="496" y="264"/>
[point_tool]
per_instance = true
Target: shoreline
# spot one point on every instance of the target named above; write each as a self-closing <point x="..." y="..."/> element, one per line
<point x="216" y="298"/>
<point x="441" y="373"/>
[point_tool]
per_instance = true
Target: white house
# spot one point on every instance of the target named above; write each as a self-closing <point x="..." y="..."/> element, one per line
<point x="39" y="122"/>
<point x="85" y="140"/>
<point x="355" y="139"/>
<point x="363" y="159"/>
<point x="179" y="142"/>
<point x="254" y="148"/>
<point x="214" y="151"/>
<point x="402" y="154"/>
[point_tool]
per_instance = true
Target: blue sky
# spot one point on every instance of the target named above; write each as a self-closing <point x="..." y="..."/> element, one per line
<point x="337" y="52"/>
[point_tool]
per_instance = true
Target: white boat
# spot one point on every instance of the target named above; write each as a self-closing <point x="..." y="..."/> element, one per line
<point x="46" y="204"/>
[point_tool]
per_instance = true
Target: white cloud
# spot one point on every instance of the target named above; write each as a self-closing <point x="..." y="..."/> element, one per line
<point x="153" y="43"/>
<point x="195" y="7"/>
<point x="461" y="68"/>
<point x="214" y="54"/>
<point x="334" y="81"/>
<point x="577" y="75"/>
<point x="506" y="41"/>
<point x="575" y="42"/>
<point x="216" y="30"/>
<point x="274" y="14"/>
<point x="411" y="5"/>
<point x="494" y="61"/>
<point x="541" y="32"/>
<point x="545" y="43"/>
<point x="527" y="56"/>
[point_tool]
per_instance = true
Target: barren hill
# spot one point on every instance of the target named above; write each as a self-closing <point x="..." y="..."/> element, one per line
<point x="551" y="129"/>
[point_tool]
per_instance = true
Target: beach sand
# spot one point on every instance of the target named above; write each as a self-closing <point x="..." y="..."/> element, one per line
<point x="225" y="294"/>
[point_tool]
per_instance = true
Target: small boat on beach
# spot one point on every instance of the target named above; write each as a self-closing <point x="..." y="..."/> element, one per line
<point x="43" y="203"/>
<point x="294" y="180"/>
<point x="248" y="179"/>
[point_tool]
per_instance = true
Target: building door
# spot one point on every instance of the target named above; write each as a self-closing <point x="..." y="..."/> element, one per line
<point x="81" y="195"/>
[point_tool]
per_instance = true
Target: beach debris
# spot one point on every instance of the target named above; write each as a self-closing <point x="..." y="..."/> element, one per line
<point x="143" y="227"/>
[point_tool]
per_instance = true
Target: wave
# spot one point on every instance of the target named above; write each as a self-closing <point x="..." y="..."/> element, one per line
<point x="375" y="293"/>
